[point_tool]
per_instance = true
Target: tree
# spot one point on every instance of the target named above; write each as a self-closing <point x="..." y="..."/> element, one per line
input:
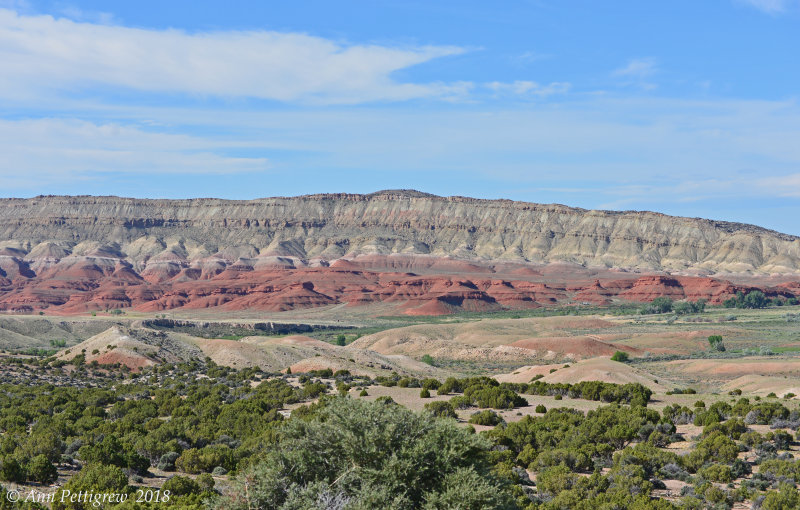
<point x="661" y="304"/>
<point x="11" y="471"/>
<point x="412" y="460"/>
<point x="755" y="299"/>
<point x="686" y="307"/>
<point x="715" y="341"/>
<point x="41" y="470"/>
<point x="341" y="340"/>
<point x="700" y="305"/>
<point x="97" y="478"/>
<point x="620" y="356"/>
<point x="427" y="358"/>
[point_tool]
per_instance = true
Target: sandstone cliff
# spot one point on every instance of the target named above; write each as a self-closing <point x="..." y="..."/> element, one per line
<point x="313" y="228"/>
<point x="425" y="254"/>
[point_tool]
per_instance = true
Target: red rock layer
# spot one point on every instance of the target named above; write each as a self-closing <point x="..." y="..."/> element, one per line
<point x="80" y="284"/>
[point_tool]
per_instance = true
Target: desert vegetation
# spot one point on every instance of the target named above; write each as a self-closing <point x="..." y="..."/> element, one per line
<point x="646" y="431"/>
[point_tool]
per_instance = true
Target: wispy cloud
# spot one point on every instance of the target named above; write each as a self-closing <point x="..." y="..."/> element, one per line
<point x="529" y="57"/>
<point x="770" y="6"/>
<point x="42" y="55"/>
<point x="638" y="72"/>
<point x="644" y="153"/>
<point x="40" y="150"/>
<point x="638" y="68"/>
<point x="528" y="88"/>
<point x="784" y="186"/>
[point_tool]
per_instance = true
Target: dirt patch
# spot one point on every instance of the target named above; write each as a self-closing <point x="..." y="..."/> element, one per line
<point x="732" y="368"/>
<point x="577" y="346"/>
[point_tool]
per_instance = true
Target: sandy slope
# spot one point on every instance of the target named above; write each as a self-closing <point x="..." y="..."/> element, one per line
<point x="498" y="339"/>
<point x="756" y="384"/>
<point x="142" y="347"/>
<point x="595" y="369"/>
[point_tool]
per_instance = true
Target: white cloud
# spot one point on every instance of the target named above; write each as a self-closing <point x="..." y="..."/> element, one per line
<point x="784" y="186"/>
<point x="528" y="88"/>
<point x="41" y="150"/>
<point x="645" y="153"/>
<point x="529" y="57"/>
<point x="638" y="68"/>
<point x="637" y="72"/>
<point x="41" y="55"/>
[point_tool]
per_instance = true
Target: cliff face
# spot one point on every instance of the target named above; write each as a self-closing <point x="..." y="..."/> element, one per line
<point x="421" y="253"/>
<point x="149" y="233"/>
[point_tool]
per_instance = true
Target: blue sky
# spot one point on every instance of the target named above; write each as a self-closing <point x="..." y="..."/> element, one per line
<point x="682" y="107"/>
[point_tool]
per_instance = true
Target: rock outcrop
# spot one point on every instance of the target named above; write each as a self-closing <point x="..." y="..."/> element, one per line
<point x="426" y="253"/>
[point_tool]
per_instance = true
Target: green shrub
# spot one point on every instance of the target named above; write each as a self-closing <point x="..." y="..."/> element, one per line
<point x="620" y="356"/>
<point x="494" y="397"/>
<point x="660" y="304"/>
<point x="41" y="470"/>
<point x="181" y="486"/>
<point x="715" y="341"/>
<point x="97" y="478"/>
<point x="714" y="447"/>
<point x="687" y="307"/>
<point x="717" y="473"/>
<point x="441" y="409"/>
<point x="410" y="461"/>
<point x="485" y="417"/>
<point x="206" y="482"/>
<point x="167" y="461"/>
<point x="786" y="497"/>
<point x="753" y="299"/>
<point x="430" y="384"/>
<point x="203" y="460"/>
<point x="11" y="470"/>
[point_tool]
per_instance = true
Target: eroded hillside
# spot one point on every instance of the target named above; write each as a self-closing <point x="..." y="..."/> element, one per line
<point x="427" y="254"/>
